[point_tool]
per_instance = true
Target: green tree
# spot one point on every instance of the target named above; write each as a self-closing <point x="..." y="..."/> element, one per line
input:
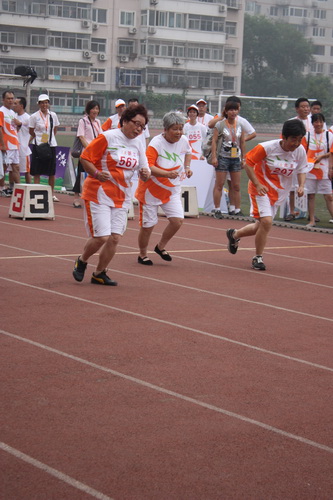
<point x="274" y="55"/>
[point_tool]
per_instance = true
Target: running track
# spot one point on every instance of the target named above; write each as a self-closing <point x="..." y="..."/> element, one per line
<point x="196" y="379"/>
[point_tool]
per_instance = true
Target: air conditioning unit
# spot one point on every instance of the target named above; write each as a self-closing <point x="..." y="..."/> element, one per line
<point x="151" y="60"/>
<point x="5" y="48"/>
<point x="82" y="85"/>
<point x="86" y="23"/>
<point x="176" y="61"/>
<point x="87" y="54"/>
<point x="102" y="56"/>
<point x="132" y="31"/>
<point x="95" y="26"/>
<point x="153" y="2"/>
<point x="151" y="30"/>
<point x="124" y="59"/>
<point x="222" y="8"/>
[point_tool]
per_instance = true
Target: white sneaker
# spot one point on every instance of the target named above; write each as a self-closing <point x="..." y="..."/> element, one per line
<point x="331" y="221"/>
<point x="54" y="198"/>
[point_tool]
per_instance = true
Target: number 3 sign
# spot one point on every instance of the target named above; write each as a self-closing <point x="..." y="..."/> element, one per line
<point x="32" y="201"/>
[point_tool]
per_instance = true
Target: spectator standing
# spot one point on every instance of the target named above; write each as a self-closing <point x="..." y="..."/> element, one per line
<point x="318" y="144"/>
<point x="43" y="126"/>
<point x="20" y="103"/>
<point x="89" y="128"/>
<point x="195" y="132"/>
<point x="203" y="117"/>
<point x="114" y="120"/>
<point x="11" y="124"/>
<point x="228" y="157"/>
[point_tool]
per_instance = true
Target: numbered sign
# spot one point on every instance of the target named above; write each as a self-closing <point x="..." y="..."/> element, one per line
<point x="33" y="201"/>
<point x="189" y="200"/>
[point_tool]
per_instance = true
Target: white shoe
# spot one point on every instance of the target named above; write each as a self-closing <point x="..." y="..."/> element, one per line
<point x="331" y="221"/>
<point x="54" y="198"/>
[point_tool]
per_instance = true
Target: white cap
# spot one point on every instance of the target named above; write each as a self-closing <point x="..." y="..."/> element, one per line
<point x="201" y="100"/>
<point x="43" y="97"/>
<point x="120" y="102"/>
<point x="193" y="106"/>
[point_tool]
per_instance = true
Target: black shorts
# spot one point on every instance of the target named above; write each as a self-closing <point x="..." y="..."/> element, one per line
<point x="38" y="167"/>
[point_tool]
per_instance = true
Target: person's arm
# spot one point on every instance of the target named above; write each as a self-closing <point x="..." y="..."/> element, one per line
<point x="213" y="121"/>
<point x="242" y="146"/>
<point x="32" y="134"/>
<point x="261" y="189"/>
<point x="83" y="141"/>
<point x="93" y="154"/>
<point x="2" y="142"/>
<point x="55" y="130"/>
<point x="187" y="163"/>
<point x="301" y="182"/>
<point x="248" y="137"/>
<point x="214" y="146"/>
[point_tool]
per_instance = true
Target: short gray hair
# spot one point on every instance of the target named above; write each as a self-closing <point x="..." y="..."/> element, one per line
<point x="172" y="118"/>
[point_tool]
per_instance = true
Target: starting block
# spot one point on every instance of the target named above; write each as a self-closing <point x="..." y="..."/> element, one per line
<point x="32" y="201"/>
<point x="189" y="200"/>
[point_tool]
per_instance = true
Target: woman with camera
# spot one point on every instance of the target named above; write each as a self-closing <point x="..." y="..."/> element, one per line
<point x="228" y="152"/>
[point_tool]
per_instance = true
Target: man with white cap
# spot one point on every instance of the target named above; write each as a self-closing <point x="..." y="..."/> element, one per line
<point x="195" y="132"/>
<point x="203" y="116"/>
<point x="113" y="120"/>
<point x="43" y="126"/>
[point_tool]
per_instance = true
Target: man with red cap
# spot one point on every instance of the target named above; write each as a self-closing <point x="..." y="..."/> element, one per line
<point x="203" y="116"/>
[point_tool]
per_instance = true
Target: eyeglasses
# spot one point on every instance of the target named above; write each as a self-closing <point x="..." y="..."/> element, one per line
<point x="138" y="124"/>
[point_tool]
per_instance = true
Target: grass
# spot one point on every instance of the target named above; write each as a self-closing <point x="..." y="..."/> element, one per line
<point x="65" y="139"/>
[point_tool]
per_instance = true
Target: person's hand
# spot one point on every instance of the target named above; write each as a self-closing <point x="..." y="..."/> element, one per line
<point x="103" y="176"/>
<point x="261" y="189"/>
<point x="188" y="172"/>
<point x="172" y="174"/>
<point x="144" y="173"/>
<point x="214" y="161"/>
<point x="300" y="190"/>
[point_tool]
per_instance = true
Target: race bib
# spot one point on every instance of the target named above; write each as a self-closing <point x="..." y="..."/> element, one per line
<point x="45" y="138"/>
<point x="234" y="152"/>
<point x="127" y="159"/>
<point x="283" y="168"/>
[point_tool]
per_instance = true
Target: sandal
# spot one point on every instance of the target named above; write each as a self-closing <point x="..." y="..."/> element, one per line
<point x="163" y="254"/>
<point x="145" y="261"/>
<point x="290" y="217"/>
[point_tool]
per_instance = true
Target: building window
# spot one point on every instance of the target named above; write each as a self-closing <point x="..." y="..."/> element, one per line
<point x="318" y="32"/>
<point x="36" y="40"/>
<point x="229" y="83"/>
<point x="98" y="45"/>
<point x="99" y="16"/>
<point x="317" y="68"/>
<point x="128" y="77"/>
<point x="60" y="8"/>
<point x="127" y="18"/>
<point x="231" y="28"/>
<point x="126" y="47"/>
<point x="319" y="50"/>
<point x="230" y="56"/>
<point x="331" y="51"/>
<point x="9" y="5"/>
<point x="74" y="41"/>
<point x="252" y="7"/>
<point x="273" y="11"/>
<point x="331" y="69"/>
<point x="67" y="69"/>
<point x="205" y="23"/>
<point x="319" y="14"/>
<point x="7" y="37"/>
<point x="98" y="75"/>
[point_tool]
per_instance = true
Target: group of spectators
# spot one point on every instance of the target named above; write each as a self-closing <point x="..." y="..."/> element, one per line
<point x="18" y="130"/>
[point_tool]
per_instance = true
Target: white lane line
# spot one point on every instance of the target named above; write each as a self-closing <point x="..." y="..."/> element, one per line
<point x="53" y="472"/>
<point x="224" y="266"/>
<point x="177" y="395"/>
<point x="175" y="325"/>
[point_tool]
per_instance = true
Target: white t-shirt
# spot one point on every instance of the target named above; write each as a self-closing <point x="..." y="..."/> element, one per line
<point x="24" y="135"/>
<point x="41" y="125"/>
<point x="205" y="119"/>
<point x="195" y="134"/>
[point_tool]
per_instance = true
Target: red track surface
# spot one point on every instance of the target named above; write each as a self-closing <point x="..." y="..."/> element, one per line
<point x="196" y="379"/>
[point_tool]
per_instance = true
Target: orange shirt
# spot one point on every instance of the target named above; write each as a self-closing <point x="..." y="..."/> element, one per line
<point x="9" y="129"/>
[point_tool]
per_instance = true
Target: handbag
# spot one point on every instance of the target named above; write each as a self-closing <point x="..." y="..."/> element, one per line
<point x="77" y="144"/>
<point x="44" y="150"/>
<point x="207" y="145"/>
<point x="77" y="148"/>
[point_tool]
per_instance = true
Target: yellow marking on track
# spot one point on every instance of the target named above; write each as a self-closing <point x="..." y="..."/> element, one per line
<point x="204" y="250"/>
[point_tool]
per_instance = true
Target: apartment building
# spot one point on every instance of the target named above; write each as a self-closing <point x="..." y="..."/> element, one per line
<point x="165" y="46"/>
<point x="313" y="18"/>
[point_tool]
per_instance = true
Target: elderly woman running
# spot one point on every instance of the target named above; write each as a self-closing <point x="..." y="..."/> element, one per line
<point x="169" y="158"/>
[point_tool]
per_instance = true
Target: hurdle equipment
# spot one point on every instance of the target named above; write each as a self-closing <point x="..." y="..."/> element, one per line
<point x="31" y="201"/>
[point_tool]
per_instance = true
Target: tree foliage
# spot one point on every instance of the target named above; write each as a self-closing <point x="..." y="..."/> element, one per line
<point x="274" y="55"/>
